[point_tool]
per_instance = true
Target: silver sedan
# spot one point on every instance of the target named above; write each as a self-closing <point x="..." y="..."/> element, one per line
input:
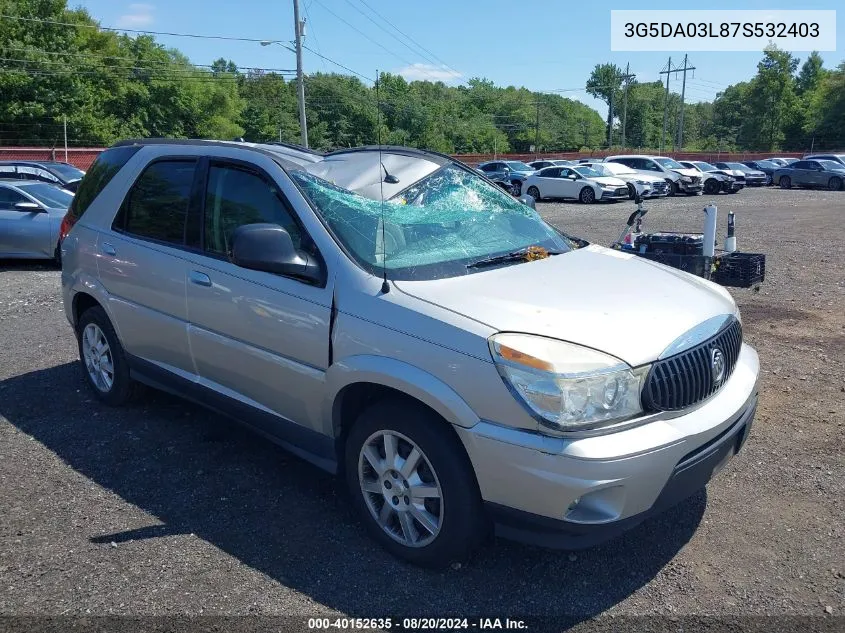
<point x="30" y="217"/>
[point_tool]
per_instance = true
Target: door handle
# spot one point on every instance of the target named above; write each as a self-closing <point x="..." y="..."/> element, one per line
<point x="108" y="249"/>
<point x="200" y="279"/>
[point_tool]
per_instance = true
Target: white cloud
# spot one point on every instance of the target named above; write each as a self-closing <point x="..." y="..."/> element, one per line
<point x="139" y="15"/>
<point x="429" y="72"/>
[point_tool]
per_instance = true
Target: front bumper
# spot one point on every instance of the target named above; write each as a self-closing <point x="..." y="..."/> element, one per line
<point x="736" y="185"/>
<point x="756" y="181"/>
<point x="571" y="493"/>
<point x="690" y="187"/>
<point x="620" y="193"/>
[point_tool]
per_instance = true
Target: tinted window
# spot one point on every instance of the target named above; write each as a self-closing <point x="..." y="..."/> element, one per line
<point x="488" y="168"/>
<point x="102" y="171"/>
<point x="801" y="164"/>
<point x="551" y="172"/>
<point x="68" y="172"/>
<point x="157" y="204"/>
<point x="235" y="197"/>
<point x="9" y="197"/>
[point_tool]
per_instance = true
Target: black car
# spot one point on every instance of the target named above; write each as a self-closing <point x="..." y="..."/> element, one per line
<point x="766" y="166"/>
<point x="715" y="179"/>
<point x="64" y="175"/>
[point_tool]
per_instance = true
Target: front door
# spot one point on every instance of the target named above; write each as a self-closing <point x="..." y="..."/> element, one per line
<point x="23" y="233"/>
<point x="256" y="337"/>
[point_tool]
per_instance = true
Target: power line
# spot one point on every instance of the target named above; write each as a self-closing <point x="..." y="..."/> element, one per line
<point x="403" y="42"/>
<point x="111" y="28"/>
<point x="338" y="64"/>
<point x="131" y="59"/>
<point x="316" y="41"/>
<point x="403" y="34"/>
<point x="381" y="46"/>
<point x="176" y="70"/>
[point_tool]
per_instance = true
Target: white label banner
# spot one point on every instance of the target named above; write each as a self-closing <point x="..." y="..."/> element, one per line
<point x="722" y="30"/>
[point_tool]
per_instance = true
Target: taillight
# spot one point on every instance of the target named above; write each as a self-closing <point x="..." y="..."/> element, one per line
<point x="67" y="224"/>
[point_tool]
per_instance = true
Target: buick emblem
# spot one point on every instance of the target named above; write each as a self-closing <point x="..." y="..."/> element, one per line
<point x="717" y="365"/>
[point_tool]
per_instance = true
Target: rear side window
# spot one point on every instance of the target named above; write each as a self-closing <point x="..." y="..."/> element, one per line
<point x="157" y="205"/>
<point x="102" y="171"/>
<point x="9" y="198"/>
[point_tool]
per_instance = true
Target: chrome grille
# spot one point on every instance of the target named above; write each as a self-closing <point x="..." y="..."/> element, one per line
<point x="622" y="191"/>
<point x="685" y="379"/>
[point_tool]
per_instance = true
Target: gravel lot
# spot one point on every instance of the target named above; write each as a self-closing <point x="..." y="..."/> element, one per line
<point x="166" y="509"/>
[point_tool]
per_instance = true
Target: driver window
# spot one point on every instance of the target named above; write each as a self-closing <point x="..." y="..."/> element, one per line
<point x="235" y="197"/>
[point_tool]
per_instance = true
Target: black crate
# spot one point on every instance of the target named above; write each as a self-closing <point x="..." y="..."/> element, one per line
<point x="694" y="264"/>
<point x="740" y="270"/>
<point x="677" y="243"/>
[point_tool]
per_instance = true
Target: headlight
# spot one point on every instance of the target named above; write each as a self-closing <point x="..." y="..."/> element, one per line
<point x="686" y="179"/>
<point x="567" y="386"/>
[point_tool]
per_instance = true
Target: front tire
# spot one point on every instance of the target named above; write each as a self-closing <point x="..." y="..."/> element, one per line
<point x="587" y="195"/>
<point x="103" y="360"/>
<point x="835" y="183"/>
<point x="711" y="186"/>
<point x="632" y="191"/>
<point x="674" y="190"/>
<point x="534" y="193"/>
<point x="785" y="182"/>
<point x="413" y="485"/>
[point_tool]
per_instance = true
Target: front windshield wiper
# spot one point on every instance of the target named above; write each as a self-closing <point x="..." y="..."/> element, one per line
<point x="522" y="255"/>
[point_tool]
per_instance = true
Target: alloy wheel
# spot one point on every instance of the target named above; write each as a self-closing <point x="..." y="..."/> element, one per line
<point x="98" y="357"/>
<point x="400" y="488"/>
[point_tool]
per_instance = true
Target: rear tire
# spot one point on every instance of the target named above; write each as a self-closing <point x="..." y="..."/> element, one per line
<point x="587" y="195"/>
<point x="534" y="193"/>
<point x="835" y="183"/>
<point x="517" y="187"/>
<point x="785" y="182"/>
<point x="103" y="360"/>
<point x="440" y="491"/>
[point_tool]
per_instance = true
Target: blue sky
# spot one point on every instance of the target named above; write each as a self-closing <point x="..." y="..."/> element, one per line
<point x="540" y="44"/>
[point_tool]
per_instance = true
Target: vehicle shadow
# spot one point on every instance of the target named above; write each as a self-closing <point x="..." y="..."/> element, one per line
<point x="27" y="264"/>
<point x="200" y="473"/>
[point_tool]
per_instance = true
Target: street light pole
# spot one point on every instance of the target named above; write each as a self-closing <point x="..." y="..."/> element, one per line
<point x="300" y="83"/>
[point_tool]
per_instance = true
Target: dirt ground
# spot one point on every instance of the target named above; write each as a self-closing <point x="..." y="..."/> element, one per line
<point x="164" y="509"/>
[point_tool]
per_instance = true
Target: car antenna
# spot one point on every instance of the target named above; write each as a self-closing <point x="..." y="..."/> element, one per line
<point x="385" y="287"/>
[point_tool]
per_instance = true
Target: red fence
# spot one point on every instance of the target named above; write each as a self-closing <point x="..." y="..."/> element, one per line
<point x="82" y="157"/>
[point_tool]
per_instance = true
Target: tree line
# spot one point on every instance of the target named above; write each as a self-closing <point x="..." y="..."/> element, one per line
<point x="56" y="65"/>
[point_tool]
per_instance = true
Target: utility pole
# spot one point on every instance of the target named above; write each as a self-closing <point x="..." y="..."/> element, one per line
<point x="680" y="145"/>
<point x="537" y="129"/>
<point x="65" y="126"/>
<point x="300" y="83"/>
<point x="627" y="77"/>
<point x="665" y="104"/>
<point x="610" y="119"/>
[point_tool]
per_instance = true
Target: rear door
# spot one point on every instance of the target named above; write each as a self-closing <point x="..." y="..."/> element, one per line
<point x="142" y="265"/>
<point x="548" y="182"/>
<point x="259" y="338"/>
<point x="802" y="173"/>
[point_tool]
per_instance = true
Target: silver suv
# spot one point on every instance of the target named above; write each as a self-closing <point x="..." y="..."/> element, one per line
<point x="392" y="316"/>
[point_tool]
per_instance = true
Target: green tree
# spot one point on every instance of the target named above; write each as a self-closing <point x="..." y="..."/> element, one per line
<point x="605" y="83"/>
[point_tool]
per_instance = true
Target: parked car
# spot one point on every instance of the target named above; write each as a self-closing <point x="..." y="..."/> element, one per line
<point x="31" y="214"/>
<point x="646" y="185"/>
<point x="680" y="179"/>
<point x="811" y="173"/>
<point x="577" y="183"/>
<point x="715" y="180"/>
<point x="513" y="170"/>
<point x="766" y="166"/>
<point x="836" y="158"/>
<point x="753" y="177"/>
<point x="782" y="161"/>
<point x="63" y="174"/>
<point x="453" y="382"/>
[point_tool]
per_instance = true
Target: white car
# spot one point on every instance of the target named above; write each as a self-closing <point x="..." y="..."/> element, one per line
<point x="679" y="178"/>
<point x="577" y="182"/>
<point x="646" y="185"/>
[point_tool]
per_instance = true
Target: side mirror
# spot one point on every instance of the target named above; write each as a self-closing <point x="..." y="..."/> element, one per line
<point x="29" y="207"/>
<point x="506" y="170"/>
<point x="529" y="200"/>
<point x="269" y="248"/>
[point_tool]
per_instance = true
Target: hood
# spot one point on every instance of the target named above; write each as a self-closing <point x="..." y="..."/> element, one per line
<point x="721" y="174"/>
<point x="754" y="172"/>
<point x="609" y="181"/>
<point x="692" y="173"/>
<point x="615" y="302"/>
<point x="645" y="177"/>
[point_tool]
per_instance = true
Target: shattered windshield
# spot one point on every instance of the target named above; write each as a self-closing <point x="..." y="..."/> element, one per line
<point x="433" y="228"/>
